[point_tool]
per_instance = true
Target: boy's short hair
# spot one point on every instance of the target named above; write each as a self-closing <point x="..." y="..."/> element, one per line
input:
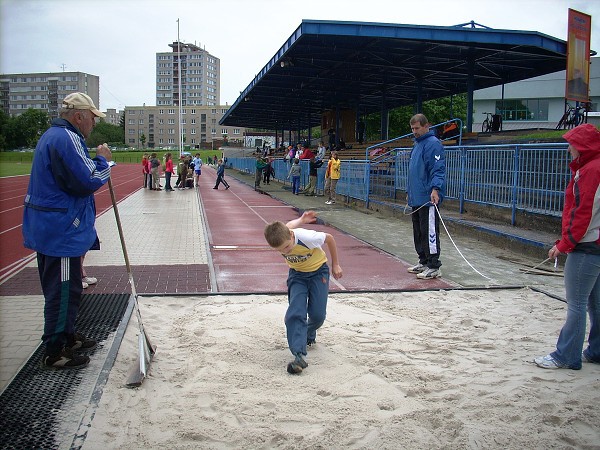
<point x="276" y="234"/>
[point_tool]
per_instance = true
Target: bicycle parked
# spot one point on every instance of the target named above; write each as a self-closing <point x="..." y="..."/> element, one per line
<point x="486" y="126"/>
<point x="572" y="117"/>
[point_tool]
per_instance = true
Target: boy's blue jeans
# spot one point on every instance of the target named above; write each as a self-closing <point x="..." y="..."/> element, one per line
<point x="295" y="184"/>
<point x="307" y="296"/>
<point x="582" y="284"/>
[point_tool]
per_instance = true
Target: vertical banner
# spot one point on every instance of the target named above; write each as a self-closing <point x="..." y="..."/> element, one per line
<point x="578" y="56"/>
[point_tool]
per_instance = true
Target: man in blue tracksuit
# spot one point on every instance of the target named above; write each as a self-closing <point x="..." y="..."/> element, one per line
<point x="58" y="223"/>
<point x="426" y="189"/>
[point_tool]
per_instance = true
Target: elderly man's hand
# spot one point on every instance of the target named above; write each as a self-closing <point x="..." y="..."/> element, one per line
<point x="103" y="150"/>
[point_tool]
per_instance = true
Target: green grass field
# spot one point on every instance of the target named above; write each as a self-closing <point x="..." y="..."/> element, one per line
<point x="19" y="163"/>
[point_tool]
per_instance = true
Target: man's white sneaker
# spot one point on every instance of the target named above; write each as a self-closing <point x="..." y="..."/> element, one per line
<point x="429" y="274"/>
<point x="89" y="280"/>
<point x="417" y="269"/>
<point x="85" y="285"/>
<point x="328" y="202"/>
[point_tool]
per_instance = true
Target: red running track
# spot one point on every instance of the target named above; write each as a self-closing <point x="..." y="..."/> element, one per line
<point x="126" y="179"/>
<point x="243" y="261"/>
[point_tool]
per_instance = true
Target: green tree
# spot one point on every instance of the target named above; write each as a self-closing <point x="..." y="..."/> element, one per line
<point x="26" y="129"/>
<point x="143" y="139"/>
<point x="106" y="132"/>
<point x="437" y="111"/>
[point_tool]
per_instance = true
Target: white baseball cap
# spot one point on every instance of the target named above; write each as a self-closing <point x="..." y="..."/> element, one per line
<point x="79" y="100"/>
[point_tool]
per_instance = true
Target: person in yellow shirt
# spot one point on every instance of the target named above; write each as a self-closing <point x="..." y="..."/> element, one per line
<point x="332" y="175"/>
<point x="308" y="281"/>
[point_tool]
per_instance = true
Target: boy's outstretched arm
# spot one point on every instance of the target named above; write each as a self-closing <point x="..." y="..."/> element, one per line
<point x="336" y="270"/>
<point x="307" y="217"/>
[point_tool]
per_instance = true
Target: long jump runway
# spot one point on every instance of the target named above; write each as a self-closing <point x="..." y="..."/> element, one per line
<point x="243" y="262"/>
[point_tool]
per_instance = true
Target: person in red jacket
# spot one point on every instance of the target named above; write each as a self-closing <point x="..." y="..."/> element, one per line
<point x="580" y="240"/>
<point x="168" y="171"/>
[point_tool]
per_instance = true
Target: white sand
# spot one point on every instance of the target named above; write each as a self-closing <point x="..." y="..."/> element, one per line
<point x="404" y="370"/>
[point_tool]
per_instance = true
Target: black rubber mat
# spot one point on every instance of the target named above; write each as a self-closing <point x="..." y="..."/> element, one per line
<point x="43" y="409"/>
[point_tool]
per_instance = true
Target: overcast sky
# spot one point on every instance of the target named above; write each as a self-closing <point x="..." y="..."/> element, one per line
<point x="118" y="39"/>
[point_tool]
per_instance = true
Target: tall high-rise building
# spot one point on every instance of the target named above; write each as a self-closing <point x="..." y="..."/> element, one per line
<point x="44" y="91"/>
<point x="200" y="76"/>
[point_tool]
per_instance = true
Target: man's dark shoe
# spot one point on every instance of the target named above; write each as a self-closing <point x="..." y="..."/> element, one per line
<point x="80" y="343"/>
<point x="66" y="359"/>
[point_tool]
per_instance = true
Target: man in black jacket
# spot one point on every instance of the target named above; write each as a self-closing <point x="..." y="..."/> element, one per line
<point x="313" y="165"/>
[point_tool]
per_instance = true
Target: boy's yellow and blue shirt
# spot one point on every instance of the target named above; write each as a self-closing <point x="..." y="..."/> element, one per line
<point x="307" y="255"/>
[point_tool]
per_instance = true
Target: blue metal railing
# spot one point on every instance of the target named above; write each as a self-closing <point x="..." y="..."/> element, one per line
<point x="527" y="177"/>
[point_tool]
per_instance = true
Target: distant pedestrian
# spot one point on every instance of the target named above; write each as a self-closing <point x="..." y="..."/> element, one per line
<point x="332" y="176"/>
<point x="295" y="172"/>
<point x="168" y="171"/>
<point x="221" y="175"/>
<point x="155" y="168"/>
<point x="313" y="167"/>
<point x="197" y="161"/>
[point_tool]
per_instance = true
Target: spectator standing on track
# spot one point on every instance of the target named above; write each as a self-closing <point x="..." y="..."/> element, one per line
<point x="145" y="170"/>
<point x="426" y="189"/>
<point x="197" y="161"/>
<point x="58" y="223"/>
<point x="580" y="240"/>
<point x="260" y="167"/>
<point x="268" y="171"/>
<point x="168" y="171"/>
<point x="149" y="172"/>
<point x="155" y="170"/>
<point x="295" y="172"/>
<point x="221" y="175"/>
<point x="313" y="167"/>
<point x="332" y="176"/>
<point x="181" y="173"/>
<point x="308" y="281"/>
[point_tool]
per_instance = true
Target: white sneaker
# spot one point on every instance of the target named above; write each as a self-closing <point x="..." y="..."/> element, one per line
<point x="429" y="274"/>
<point x="85" y="285"/>
<point x="328" y="202"/>
<point x="417" y="269"/>
<point x="548" y="362"/>
<point x="89" y="280"/>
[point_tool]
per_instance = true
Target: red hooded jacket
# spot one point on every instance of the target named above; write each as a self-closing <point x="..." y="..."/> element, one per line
<point x="581" y="213"/>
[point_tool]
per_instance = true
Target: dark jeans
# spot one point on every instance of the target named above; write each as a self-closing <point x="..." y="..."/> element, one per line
<point x="168" y="181"/>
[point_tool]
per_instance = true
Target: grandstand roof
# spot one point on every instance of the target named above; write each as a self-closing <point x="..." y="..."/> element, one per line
<point x="329" y="64"/>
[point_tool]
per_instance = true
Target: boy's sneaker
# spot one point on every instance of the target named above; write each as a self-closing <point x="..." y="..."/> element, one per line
<point x="66" y="359"/>
<point x="79" y="342"/>
<point x="548" y="362"/>
<point x="328" y="202"/>
<point x="297" y="365"/>
<point x="429" y="274"/>
<point x="585" y="358"/>
<point x="417" y="269"/>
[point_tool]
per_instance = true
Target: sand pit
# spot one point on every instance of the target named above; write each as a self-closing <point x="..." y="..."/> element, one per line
<point x="442" y="369"/>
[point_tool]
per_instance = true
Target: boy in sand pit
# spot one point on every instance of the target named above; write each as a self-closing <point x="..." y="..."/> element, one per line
<point x="308" y="281"/>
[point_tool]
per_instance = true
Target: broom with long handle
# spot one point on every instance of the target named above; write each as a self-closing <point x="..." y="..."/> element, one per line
<point x="145" y="348"/>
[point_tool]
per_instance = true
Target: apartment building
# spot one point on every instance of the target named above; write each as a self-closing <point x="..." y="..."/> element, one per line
<point x="200" y="74"/>
<point x="113" y="116"/>
<point x="44" y="91"/>
<point x="158" y="127"/>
